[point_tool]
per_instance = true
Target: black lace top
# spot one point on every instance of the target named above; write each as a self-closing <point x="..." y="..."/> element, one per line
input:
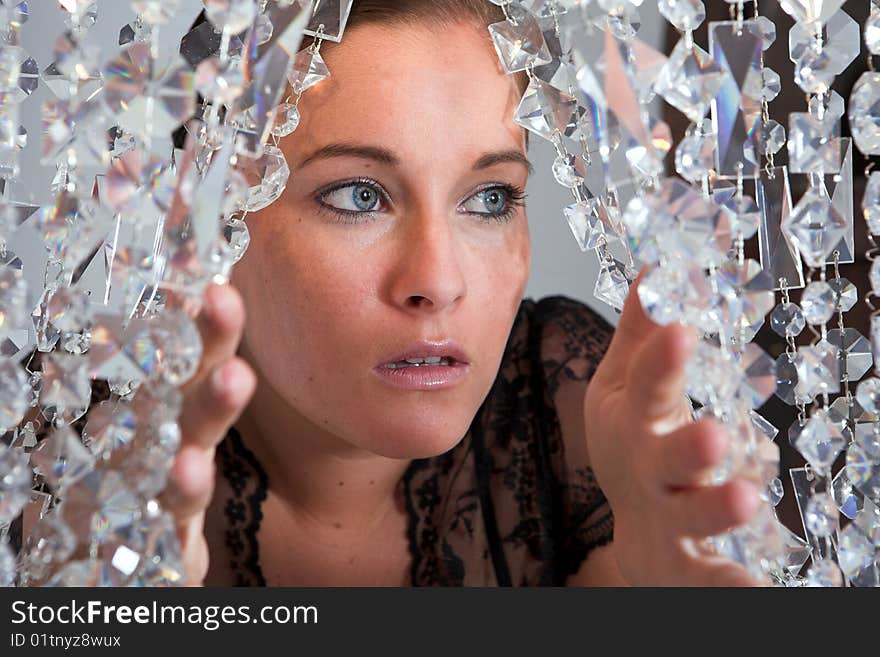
<point x="514" y="503"/>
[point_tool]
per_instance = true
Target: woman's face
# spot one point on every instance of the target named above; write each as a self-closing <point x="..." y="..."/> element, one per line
<point x="398" y="227"/>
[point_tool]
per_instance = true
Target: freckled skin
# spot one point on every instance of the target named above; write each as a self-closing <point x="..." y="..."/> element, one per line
<point x="327" y="300"/>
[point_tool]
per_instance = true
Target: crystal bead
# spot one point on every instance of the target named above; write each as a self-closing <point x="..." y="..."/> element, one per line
<point x="83" y="572"/>
<point x="867" y="437"/>
<point x="809" y="11"/>
<point x="771" y="84"/>
<point x="820" y="441"/>
<point x="673" y="292"/>
<point x="744" y="215"/>
<point x="864" y="113"/>
<point x="232" y="15"/>
<point x="69" y="309"/>
<point x="846" y="294"/>
<point x="871" y="203"/>
<point x="775" y="491"/>
<point x="519" y="43"/>
<point x="854" y="352"/>
<point x="848" y="500"/>
<point x="82" y="14"/>
<point x="868" y="395"/>
<point x="612" y="285"/>
<point x="237" y="237"/>
<point x="145" y="99"/>
<point x="14" y="392"/>
<point x="857" y="554"/>
<point x="286" y="120"/>
<point x="813" y="144"/>
<point x="110" y="426"/>
<point x="585" y="224"/>
<point x="818" y="303"/>
<point x="684" y="14"/>
<point x="266" y="177"/>
<point x="65" y="383"/>
<point x="872" y="32"/>
<point x="19" y="74"/>
<point x="565" y="171"/>
<point x="787" y="320"/>
<point x="8" y="567"/>
<point x="771" y="137"/>
<point x="824" y="573"/>
<point x="62" y="458"/>
<point x="690" y="80"/>
<point x="308" y="69"/>
<point x="821" y="515"/>
<point x="219" y="82"/>
<point x="746" y="296"/>
<point x="178" y="346"/>
<point x="155" y="12"/>
<point x="263" y="29"/>
<point x="695" y="157"/>
<point x="863" y="470"/>
<point x="815" y="226"/>
<point x="763" y="425"/>
<point x="50" y="542"/>
<point x="15" y="483"/>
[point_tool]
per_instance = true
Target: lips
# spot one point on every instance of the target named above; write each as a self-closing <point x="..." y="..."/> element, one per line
<point x="425" y="366"/>
<point x="426" y="354"/>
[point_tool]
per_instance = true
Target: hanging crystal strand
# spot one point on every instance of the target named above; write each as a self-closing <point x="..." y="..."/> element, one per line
<point x="857" y="485"/>
<point x="820" y="230"/>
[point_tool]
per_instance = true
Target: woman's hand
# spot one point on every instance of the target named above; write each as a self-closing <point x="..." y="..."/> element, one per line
<point x="213" y="400"/>
<point x="651" y="460"/>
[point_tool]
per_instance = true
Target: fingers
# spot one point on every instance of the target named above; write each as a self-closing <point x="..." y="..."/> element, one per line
<point x="217" y="401"/>
<point x="719" y="571"/>
<point x="656" y="375"/>
<point x="711" y="510"/>
<point x="632" y="328"/>
<point x="220" y="323"/>
<point x="686" y="457"/>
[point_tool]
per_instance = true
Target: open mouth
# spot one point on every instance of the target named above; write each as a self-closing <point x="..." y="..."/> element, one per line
<point x="428" y="361"/>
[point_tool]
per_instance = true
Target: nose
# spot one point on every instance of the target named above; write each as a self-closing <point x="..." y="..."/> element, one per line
<point x="427" y="274"/>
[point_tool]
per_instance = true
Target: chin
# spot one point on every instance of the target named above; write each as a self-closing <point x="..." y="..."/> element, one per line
<point x="417" y="436"/>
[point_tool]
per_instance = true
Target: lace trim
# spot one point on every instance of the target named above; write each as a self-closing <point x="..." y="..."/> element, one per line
<point x="232" y="457"/>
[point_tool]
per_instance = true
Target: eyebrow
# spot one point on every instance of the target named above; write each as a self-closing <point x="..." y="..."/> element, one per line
<point x="384" y="156"/>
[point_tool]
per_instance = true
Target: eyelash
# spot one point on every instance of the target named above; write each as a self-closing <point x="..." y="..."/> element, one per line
<point x="515" y="198"/>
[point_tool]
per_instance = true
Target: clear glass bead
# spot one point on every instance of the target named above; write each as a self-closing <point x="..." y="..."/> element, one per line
<point x="787" y="320"/>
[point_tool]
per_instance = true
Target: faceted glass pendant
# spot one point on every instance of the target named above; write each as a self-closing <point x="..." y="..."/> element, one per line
<point x="820" y="442"/>
<point x="871" y="203"/>
<point x="816" y="226"/>
<point x="854" y="352"/>
<point x="738" y="49"/>
<point x="520" y="42"/>
<point x="814" y="145"/>
<point x="332" y="15"/>
<point x="779" y="256"/>
<point x="690" y="80"/>
<point x="683" y="14"/>
<point x="787" y="320"/>
<point x="808" y="11"/>
<point x="308" y="70"/>
<point x="840" y="187"/>
<point x="612" y="285"/>
<point x="232" y="15"/>
<point x="144" y="100"/>
<point x="62" y="458"/>
<point x="266" y="177"/>
<point x="19" y="74"/>
<point x="872" y="29"/>
<point x="864" y="113"/>
<point x="818" y="302"/>
<point x="585" y="224"/>
<point x="544" y="109"/>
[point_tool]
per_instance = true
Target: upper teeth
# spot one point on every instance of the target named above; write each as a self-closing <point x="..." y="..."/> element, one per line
<point x="417" y="362"/>
<point x="431" y="359"/>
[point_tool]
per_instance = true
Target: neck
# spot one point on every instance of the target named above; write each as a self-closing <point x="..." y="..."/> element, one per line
<point x="322" y="480"/>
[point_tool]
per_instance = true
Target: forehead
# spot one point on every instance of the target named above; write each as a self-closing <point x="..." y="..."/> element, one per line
<point x="413" y="84"/>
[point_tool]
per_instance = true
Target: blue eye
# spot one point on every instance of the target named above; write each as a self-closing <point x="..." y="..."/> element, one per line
<point x="499" y="202"/>
<point x="353" y="198"/>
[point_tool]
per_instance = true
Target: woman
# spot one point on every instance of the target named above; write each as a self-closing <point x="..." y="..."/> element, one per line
<point x="402" y="235"/>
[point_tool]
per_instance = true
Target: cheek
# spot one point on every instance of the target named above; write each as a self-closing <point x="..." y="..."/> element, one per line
<point x="302" y="296"/>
